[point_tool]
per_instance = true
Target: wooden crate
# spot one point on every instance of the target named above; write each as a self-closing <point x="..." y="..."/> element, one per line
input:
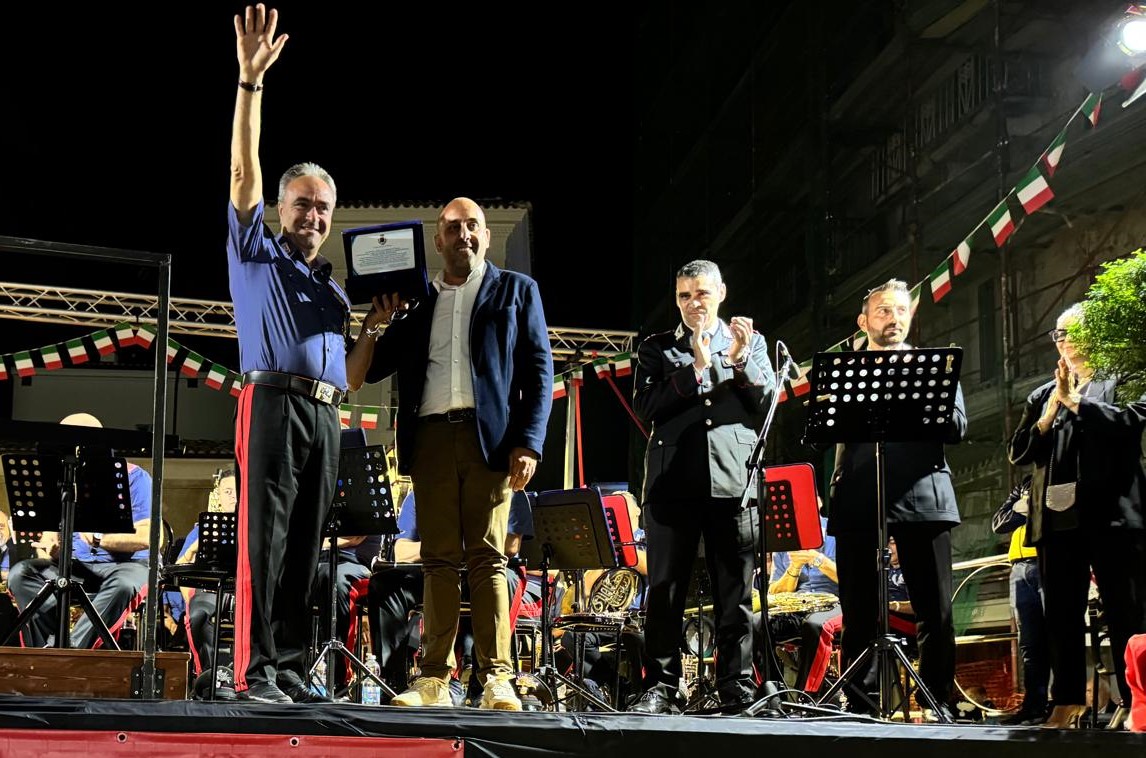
<point x="48" y="672"/>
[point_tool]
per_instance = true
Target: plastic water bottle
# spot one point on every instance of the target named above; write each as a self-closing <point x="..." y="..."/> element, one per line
<point x="371" y="692"/>
<point x="318" y="679"/>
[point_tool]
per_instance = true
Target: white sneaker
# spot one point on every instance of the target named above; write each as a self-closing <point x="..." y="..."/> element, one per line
<point x="426" y="691"/>
<point x="499" y="694"/>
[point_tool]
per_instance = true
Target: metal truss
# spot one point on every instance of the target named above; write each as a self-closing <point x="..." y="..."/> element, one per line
<point x="214" y="318"/>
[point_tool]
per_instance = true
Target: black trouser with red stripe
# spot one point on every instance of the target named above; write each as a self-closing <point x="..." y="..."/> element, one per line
<point x="286" y="451"/>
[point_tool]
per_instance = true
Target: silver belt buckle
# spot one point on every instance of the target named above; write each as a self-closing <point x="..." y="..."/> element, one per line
<point x="324" y="392"/>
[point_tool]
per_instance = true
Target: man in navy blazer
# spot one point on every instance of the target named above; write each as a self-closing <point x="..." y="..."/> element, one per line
<point x="921" y="511"/>
<point x="475" y="387"/>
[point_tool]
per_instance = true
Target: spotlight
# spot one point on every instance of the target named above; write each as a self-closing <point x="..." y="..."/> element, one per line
<point x="1120" y="50"/>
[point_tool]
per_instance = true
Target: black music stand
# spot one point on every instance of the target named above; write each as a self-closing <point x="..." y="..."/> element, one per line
<point x="362" y="505"/>
<point x="570" y="533"/>
<point x="68" y="488"/>
<point x="881" y="396"/>
<point x="213" y="569"/>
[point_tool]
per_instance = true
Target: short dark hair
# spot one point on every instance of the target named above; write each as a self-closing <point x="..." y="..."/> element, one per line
<point x="894" y="285"/>
<point x="699" y="267"/>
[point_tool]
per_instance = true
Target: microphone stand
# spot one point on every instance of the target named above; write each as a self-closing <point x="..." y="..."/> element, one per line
<point x="769" y="700"/>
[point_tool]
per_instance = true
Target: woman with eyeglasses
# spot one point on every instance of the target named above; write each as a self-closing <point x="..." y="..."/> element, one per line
<point x="1085" y="514"/>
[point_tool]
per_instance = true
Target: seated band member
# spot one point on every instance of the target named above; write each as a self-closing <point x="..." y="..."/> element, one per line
<point x="112" y="567"/>
<point x="395" y="592"/>
<point x="807" y="571"/>
<point x="921" y="511"/>
<point x="704" y="387"/>
<point x="199" y="619"/>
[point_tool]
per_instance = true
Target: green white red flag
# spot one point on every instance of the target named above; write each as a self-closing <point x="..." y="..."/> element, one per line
<point x="623" y="364"/>
<point x="368" y="418"/>
<point x="1001" y="223"/>
<point x="1033" y="191"/>
<point x="940" y="280"/>
<point x="601" y="367"/>
<point x="51" y="356"/>
<point x="216" y="375"/>
<point x="125" y="335"/>
<point x="77" y="351"/>
<point x="24" y="365"/>
<point x="344" y="416"/>
<point x="559" y="390"/>
<point x="1053" y="155"/>
<point x="103" y="343"/>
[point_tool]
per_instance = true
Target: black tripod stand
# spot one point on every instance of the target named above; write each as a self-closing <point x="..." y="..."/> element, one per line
<point x="878" y="397"/>
<point x="571" y="533"/>
<point x="43" y="490"/>
<point x="362" y="506"/>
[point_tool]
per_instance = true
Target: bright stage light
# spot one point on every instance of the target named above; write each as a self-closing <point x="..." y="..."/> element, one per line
<point x="1132" y="37"/>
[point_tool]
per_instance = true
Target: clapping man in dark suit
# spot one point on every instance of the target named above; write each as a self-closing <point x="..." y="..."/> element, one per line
<point x="921" y="511"/>
<point x="704" y="387"/>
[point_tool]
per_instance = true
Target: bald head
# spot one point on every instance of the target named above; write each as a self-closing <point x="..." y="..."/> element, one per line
<point x="462" y="239"/>
<point x="81" y="419"/>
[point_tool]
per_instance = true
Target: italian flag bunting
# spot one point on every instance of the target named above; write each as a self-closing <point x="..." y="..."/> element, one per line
<point x="236" y="383"/>
<point x="1002" y="225"/>
<point x="344" y="416"/>
<point x="368" y="419"/>
<point x="51" y="356"/>
<point x="172" y="349"/>
<point x="145" y="335"/>
<point x="1053" y="154"/>
<point x="24" y="365"/>
<point x="1033" y="191"/>
<point x="623" y="364"/>
<point x="838" y="347"/>
<point x="125" y="334"/>
<point x="802" y="386"/>
<point x="216" y="375"/>
<point x="191" y="364"/>
<point x="941" y="280"/>
<point x="859" y="340"/>
<point x="962" y="256"/>
<point x="3" y="369"/>
<point x="103" y="343"/>
<point x="558" y="387"/>
<point x="601" y="366"/>
<point x="577" y="377"/>
<point x="77" y="351"/>
<point x="916" y="293"/>
<point x="1091" y="107"/>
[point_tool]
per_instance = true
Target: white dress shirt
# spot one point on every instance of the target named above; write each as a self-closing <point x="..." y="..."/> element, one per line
<point x="449" y="378"/>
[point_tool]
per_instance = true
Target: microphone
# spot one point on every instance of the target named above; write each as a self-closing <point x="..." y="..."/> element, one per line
<point x="788" y="366"/>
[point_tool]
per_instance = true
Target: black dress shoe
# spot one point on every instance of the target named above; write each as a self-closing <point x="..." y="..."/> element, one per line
<point x="300" y="693"/>
<point x="653" y="701"/>
<point x="264" y="692"/>
<point x="736" y="702"/>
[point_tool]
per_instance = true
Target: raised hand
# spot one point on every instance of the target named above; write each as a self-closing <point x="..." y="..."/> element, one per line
<point x="700" y="351"/>
<point x="255" y="43"/>
<point x="741" y="338"/>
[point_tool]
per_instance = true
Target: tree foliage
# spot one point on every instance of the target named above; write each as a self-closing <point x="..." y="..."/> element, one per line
<point x="1112" y="332"/>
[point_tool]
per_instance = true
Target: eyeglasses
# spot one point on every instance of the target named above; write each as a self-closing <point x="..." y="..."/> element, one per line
<point x="1057" y="335"/>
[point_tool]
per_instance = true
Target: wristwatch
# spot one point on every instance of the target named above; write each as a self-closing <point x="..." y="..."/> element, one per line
<point x="817" y="561"/>
<point x="96" y="537"/>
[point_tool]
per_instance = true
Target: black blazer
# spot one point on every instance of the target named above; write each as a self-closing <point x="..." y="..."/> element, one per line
<point x="1100" y="447"/>
<point x="511" y="366"/>
<point x="702" y="434"/>
<point x="918" y="481"/>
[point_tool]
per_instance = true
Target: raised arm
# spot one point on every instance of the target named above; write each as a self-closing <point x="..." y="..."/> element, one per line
<point x="256" y="49"/>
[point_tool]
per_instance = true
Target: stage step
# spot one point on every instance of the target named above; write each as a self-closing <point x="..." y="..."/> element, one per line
<point x="87" y="673"/>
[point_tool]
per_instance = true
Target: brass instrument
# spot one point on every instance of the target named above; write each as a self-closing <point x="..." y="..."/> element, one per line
<point x="784" y="602"/>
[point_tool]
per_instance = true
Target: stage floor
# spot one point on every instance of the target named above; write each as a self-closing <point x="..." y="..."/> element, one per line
<point x="77" y="728"/>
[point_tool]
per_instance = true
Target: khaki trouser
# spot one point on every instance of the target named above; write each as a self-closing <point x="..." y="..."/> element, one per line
<point x="462" y="517"/>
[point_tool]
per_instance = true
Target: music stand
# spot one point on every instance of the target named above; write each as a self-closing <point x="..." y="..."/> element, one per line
<point x="570" y="533"/>
<point x="213" y="569"/>
<point x="876" y="397"/>
<point x="362" y="505"/>
<point x="71" y="489"/>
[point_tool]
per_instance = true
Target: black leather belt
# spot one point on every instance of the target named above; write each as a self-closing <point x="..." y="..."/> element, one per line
<point x="299" y="385"/>
<point x="455" y="416"/>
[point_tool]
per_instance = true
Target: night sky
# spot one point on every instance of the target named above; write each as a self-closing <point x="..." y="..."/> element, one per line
<point x="117" y="120"/>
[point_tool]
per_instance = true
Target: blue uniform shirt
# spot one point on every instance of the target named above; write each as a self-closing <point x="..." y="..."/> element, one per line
<point x="811" y="579"/>
<point x="290" y="317"/>
<point x="139" y="484"/>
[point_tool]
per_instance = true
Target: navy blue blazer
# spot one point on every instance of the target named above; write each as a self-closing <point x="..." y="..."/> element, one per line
<point x="510" y="363"/>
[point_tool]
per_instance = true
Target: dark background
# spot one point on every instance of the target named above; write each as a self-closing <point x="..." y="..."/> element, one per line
<point x="117" y="133"/>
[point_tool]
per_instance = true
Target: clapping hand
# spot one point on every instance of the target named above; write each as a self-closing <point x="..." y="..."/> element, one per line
<point x="741" y="338"/>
